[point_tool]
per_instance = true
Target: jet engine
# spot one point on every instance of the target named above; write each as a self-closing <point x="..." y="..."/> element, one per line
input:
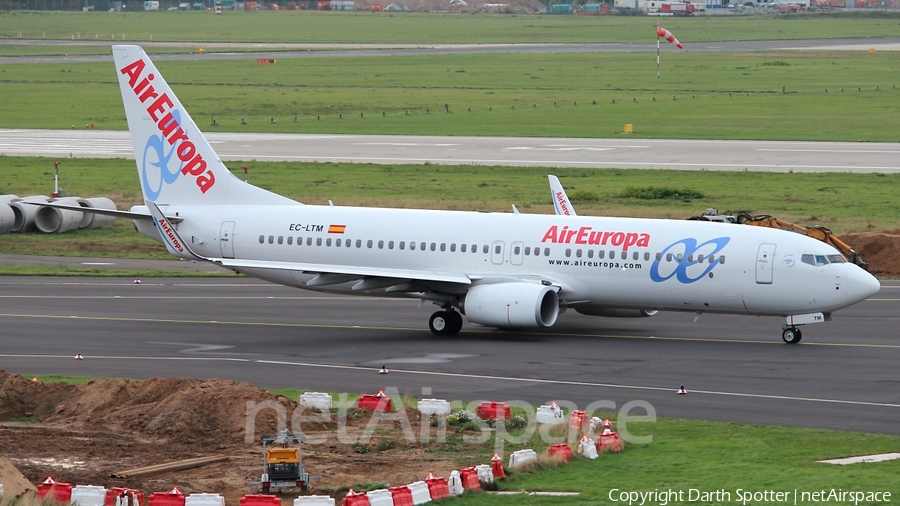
<point x="512" y="305"/>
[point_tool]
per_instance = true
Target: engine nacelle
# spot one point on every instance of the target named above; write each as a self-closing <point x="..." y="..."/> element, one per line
<point x="612" y="312"/>
<point x="512" y="305"/>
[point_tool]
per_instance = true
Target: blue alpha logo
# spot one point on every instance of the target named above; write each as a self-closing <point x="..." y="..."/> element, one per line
<point x="155" y="171"/>
<point x="687" y="261"/>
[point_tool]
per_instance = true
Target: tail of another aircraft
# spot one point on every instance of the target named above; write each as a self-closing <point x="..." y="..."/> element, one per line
<point x="175" y="163"/>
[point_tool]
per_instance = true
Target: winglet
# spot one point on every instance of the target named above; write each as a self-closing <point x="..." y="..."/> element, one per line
<point x="560" y="200"/>
<point x="174" y="243"/>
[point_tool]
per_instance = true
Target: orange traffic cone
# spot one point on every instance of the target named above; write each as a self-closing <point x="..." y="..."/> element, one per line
<point x="48" y="481"/>
<point x="430" y="476"/>
<point x="497" y="466"/>
<point x="174" y="491"/>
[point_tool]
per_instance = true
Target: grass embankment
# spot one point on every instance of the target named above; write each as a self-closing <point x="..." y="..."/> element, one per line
<point x="831" y="96"/>
<point x="684" y="455"/>
<point x="414" y="28"/>
<point x="842" y="202"/>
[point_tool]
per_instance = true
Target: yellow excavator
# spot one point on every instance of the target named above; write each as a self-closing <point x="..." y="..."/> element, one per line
<point x="764" y="220"/>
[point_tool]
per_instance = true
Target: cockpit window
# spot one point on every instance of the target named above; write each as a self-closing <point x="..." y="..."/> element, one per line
<point x="808" y="259"/>
<point x="821" y="260"/>
<point x="836" y="259"/>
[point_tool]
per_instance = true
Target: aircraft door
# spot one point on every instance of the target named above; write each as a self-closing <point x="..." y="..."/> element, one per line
<point x="515" y="253"/>
<point x="765" y="264"/>
<point x="226" y="239"/>
<point x="497" y="252"/>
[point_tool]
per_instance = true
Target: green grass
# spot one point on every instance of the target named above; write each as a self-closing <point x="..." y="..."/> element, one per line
<point x="701" y="95"/>
<point x="59" y="378"/>
<point x="412" y="28"/>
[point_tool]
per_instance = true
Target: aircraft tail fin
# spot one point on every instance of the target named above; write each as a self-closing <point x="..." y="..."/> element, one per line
<point x="560" y="200"/>
<point x="175" y="162"/>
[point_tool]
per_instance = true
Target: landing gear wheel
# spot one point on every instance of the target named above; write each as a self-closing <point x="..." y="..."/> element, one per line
<point x="456" y="321"/>
<point x="792" y="335"/>
<point x="440" y="323"/>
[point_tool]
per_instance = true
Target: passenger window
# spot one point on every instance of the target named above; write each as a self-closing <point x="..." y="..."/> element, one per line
<point x="475" y="248"/>
<point x="679" y="257"/>
<point x="546" y="252"/>
<point x="821" y="260"/>
<point x="691" y="257"/>
<point x="318" y="241"/>
<point x="516" y="250"/>
<point x="578" y="253"/>
<point x="537" y="252"/>
<point x="347" y="242"/>
<point x="668" y="257"/>
<point x="380" y="244"/>
<point x="722" y="259"/>
<point x="636" y="256"/>
<point x="359" y="243"/>
<point x="568" y="252"/>
<point x="659" y="257"/>
<point x="309" y="241"/>
<point x="369" y="244"/>
<point x="601" y="254"/>
<point x="452" y="247"/>
<point x="328" y="242"/>
<point x="612" y="255"/>
<point x="486" y="249"/>
<point x="646" y="256"/>
<point x="280" y="239"/>
<point x="497" y="249"/>
<point x="433" y="246"/>
<point x="290" y="240"/>
<point x="590" y="253"/>
<point x="700" y="258"/>
<point x="402" y="245"/>
<point x="262" y="239"/>
<point x="422" y="246"/>
<point x="443" y="246"/>
<point x="271" y="239"/>
<point x="390" y="244"/>
<point x="462" y="248"/>
<point x="711" y="259"/>
<point x="624" y="255"/>
<point x="337" y="243"/>
<point x="412" y="245"/>
<point x="299" y="241"/>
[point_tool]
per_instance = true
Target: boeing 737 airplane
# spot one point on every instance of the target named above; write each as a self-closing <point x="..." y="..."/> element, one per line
<point x="504" y="270"/>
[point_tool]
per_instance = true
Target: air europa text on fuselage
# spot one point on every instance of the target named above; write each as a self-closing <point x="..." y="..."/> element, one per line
<point x="587" y="235"/>
<point x="160" y="111"/>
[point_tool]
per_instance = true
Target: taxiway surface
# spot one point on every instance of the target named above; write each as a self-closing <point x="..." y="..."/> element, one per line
<point x="842" y="376"/>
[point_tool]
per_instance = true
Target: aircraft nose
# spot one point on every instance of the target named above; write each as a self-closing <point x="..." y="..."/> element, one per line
<point x="860" y="284"/>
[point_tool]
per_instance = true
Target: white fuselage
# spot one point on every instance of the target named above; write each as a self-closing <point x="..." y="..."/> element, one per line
<point x="605" y="262"/>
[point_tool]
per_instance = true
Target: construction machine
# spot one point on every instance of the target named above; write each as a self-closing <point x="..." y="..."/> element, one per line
<point x="282" y="464"/>
<point x="764" y="220"/>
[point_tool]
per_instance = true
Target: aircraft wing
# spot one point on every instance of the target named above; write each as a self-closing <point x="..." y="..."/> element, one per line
<point x="345" y="273"/>
<point x="560" y="200"/>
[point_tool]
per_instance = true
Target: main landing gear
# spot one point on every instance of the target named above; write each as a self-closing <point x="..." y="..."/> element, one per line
<point x="445" y="323"/>
<point x="791" y="335"/>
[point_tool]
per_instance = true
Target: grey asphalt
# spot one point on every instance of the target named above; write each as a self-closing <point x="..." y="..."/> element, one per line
<point x="332" y="50"/>
<point x="842" y="376"/>
<point x="622" y="152"/>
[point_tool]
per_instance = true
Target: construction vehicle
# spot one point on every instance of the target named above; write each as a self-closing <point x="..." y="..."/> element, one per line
<point x="764" y="220"/>
<point x="282" y="464"/>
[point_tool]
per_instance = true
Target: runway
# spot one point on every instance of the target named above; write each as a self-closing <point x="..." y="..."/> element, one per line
<point x="842" y="376"/>
<point x="774" y="156"/>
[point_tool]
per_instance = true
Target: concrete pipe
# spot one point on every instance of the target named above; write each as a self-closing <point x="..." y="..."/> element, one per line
<point x="51" y="220"/>
<point x="7" y="219"/>
<point x="6" y="199"/>
<point x="91" y="220"/>
<point x="24" y="221"/>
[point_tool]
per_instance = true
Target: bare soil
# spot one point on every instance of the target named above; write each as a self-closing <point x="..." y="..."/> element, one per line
<point x="880" y="249"/>
<point x="81" y="434"/>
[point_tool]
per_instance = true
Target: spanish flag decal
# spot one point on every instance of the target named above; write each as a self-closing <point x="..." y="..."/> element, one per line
<point x="336" y="229"/>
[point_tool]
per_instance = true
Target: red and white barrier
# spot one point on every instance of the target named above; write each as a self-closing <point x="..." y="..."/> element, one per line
<point x="438" y="488"/>
<point x="173" y="497"/>
<point x="561" y="450"/>
<point x="469" y="477"/>
<point x="316" y="400"/>
<point x="59" y="492"/>
<point x="521" y="457"/>
<point x="402" y="496"/>
<point x="550" y="414"/>
<point x="354" y="499"/>
<point x="120" y="496"/>
<point x="380" y="497"/>
<point x="420" y="492"/>
<point x="454" y="484"/>
<point x="204" y="500"/>
<point x="485" y="473"/>
<point x="587" y="448"/>
<point x="430" y="407"/>
<point x="314" y="500"/>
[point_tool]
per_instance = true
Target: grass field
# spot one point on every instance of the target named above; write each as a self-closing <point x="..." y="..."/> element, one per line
<point x="413" y="28"/>
<point x="829" y="199"/>
<point x="705" y="95"/>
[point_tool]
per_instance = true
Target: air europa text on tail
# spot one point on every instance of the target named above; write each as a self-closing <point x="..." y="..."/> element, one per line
<point x="160" y="110"/>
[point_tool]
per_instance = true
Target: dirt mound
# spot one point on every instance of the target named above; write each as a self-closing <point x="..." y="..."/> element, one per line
<point x="880" y="249"/>
<point x="26" y="399"/>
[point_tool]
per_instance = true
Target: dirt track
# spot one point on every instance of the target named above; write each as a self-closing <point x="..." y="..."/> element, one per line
<point x="81" y="434"/>
<point x="880" y="249"/>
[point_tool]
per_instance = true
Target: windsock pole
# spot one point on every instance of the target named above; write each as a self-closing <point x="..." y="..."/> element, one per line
<point x="657" y="50"/>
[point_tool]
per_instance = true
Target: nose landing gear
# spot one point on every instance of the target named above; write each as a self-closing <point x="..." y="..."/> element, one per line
<point x="791" y="335"/>
<point x="445" y="323"/>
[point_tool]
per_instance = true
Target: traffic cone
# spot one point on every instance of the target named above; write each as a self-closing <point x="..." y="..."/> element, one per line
<point x="174" y="491"/>
<point x="682" y="391"/>
<point x="35" y="380"/>
<point x="48" y="481"/>
<point x="607" y="424"/>
<point x="430" y="476"/>
<point x="380" y="394"/>
<point x="383" y="369"/>
<point x="137" y="281"/>
<point x="78" y="356"/>
<point x="497" y="467"/>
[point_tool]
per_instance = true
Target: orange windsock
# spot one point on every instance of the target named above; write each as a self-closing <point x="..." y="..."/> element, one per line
<point x="662" y="32"/>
